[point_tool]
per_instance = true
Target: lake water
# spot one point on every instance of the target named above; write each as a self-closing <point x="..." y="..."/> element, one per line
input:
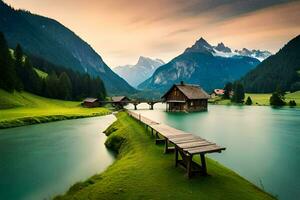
<point x="41" y="161"/>
<point x="263" y="143"/>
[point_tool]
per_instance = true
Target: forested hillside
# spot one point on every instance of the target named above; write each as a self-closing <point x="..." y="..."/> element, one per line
<point x="278" y="71"/>
<point x="46" y="38"/>
<point x="17" y="73"/>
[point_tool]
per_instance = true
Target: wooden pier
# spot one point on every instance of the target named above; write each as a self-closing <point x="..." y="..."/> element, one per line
<point x="184" y="144"/>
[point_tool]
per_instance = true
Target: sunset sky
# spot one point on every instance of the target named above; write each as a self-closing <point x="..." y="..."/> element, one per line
<point x="122" y="30"/>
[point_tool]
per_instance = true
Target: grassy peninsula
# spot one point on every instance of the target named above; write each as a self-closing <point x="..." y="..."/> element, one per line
<point x="22" y="108"/>
<point x="142" y="171"/>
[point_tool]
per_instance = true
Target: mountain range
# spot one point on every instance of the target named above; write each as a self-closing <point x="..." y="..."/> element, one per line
<point x="281" y="70"/>
<point x="223" y="51"/>
<point x="260" y="55"/>
<point x="142" y="70"/>
<point x="44" y="37"/>
<point x="202" y="64"/>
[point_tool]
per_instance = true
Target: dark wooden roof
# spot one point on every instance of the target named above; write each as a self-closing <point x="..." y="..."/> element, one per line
<point x="90" y="100"/>
<point x="190" y="91"/>
<point x="119" y="98"/>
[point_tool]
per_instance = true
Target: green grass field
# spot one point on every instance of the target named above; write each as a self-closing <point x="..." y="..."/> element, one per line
<point x="143" y="171"/>
<point x="260" y="99"/>
<point x="22" y="108"/>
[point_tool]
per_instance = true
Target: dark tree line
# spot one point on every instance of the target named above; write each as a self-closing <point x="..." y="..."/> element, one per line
<point x="234" y="91"/>
<point x="17" y="73"/>
<point x="228" y="90"/>
<point x="238" y="93"/>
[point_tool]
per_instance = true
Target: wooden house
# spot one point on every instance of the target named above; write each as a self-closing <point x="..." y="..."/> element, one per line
<point x="120" y="101"/>
<point x="90" y="103"/>
<point x="185" y="97"/>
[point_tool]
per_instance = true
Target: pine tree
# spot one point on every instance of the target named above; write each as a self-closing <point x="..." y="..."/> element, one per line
<point x="31" y="80"/>
<point x="18" y="55"/>
<point x="86" y="86"/>
<point x="248" y="101"/>
<point x="228" y="90"/>
<point x="7" y="70"/>
<point x="51" y="85"/>
<point x="277" y="99"/>
<point x="102" y="90"/>
<point x="99" y="90"/>
<point x="238" y="93"/>
<point x="65" y="86"/>
<point x="292" y="103"/>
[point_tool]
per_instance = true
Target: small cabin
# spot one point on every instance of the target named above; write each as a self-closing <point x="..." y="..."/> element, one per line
<point x="90" y="103"/>
<point x="120" y="101"/>
<point x="186" y="98"/>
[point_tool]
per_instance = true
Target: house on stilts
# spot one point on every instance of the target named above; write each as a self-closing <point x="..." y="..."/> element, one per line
<point x="185" y="98"/>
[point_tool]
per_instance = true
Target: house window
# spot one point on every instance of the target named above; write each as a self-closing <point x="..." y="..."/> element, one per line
<point x="192" y="103"/>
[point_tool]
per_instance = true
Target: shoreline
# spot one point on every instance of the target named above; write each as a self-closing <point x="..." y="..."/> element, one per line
<point x="25" y="121"/>
<point x="258" y="105"/>
<point x="140" y="162"/>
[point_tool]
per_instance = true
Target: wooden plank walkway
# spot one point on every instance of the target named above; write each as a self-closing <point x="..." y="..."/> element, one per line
<point x="185" y="144"/>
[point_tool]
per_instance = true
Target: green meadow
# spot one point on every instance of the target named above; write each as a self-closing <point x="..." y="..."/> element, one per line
<point x="22" y="108"/>
<point x="143" y="171"/>
<point x="259" y="99"/>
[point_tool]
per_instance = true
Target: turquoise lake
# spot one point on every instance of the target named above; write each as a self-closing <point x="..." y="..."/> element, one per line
<point x="263" y="143"/>
<point x="41" y="161"/>
<point x="263" y="146"/>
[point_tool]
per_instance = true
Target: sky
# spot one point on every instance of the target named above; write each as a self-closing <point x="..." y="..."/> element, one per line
<point x="122" y="30"/>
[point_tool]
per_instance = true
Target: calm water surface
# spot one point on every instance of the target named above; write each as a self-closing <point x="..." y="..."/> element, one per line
<point x="41" y="161"/>
<point x="263" y="143"/>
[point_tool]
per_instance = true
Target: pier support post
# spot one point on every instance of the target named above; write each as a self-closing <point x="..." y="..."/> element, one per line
<point x="189" y="166"/>
<point x="176" y="157"/>
<point x="203" y="164"/>
<point x="151" y="106"/>
<point x="166" y="145"/>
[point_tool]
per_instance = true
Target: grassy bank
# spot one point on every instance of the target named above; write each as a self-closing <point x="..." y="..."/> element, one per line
<point x="259" y="99"/>
<point x="142" y="171"/>
<point x="22" y="108"/>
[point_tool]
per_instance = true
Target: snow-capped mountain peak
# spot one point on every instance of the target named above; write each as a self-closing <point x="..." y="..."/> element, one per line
<point x="201" y="46"/>
<point x="143" y="69"/>
<point x="223" y="48"/>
